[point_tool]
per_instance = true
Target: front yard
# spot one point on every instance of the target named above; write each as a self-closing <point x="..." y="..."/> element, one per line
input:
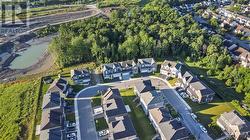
<point x="100" y="124"/>
<point x="96" y="100"/>
<point x="144" y="129"/>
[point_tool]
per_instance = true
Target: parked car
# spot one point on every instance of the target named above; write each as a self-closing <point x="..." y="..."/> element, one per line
<point x="203" y="129"/>
<point x="193" y="116"/>
<point x="71" y="124"/>
<point x="103" y="133"/>
<point x="71" y="135"/>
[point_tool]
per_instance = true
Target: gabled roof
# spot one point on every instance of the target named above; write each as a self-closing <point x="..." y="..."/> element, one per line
<point x="51" y="118"/>
<point x="174" y="130"/>
<point x="151" y="97"/>
<point x="234" y="119"/>
<point x="178" y="66"/>
<point x="58" y="85"/>
<point x="127" y="64"/>
<point x="169" y="63"/>
<point x="146" y="61"/>
<point x="160" y="115"/>
<point x="123" y="128"/>
<point x="80" y="72"/>
<point x="144" y="86"/>
<point x="111" y="66"/>
<point x="51" y="134"/>
<point x="113" y="104"/>
<point x="204" y="90"/>
<point x="170" y="128"/>
<point x="51" y="100"/>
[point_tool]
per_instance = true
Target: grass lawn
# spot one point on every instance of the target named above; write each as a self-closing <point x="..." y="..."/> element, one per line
<point x="70" y="117"/>
<point x="96" y="100"/>
<point x="144" y="129"/>
<point x="208" y="113"/>
<point x="172" y="81"/>
<point x="101" y="124"/>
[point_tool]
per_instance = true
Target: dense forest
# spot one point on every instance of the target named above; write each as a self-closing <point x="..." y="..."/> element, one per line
<point x="155" y="30"/>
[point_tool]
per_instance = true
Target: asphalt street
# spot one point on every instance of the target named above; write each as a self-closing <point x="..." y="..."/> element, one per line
<point x="85" y="120"/>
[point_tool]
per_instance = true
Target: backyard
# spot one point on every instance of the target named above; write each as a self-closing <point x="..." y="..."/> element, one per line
<point x="208" y="113"/>
<point x="138" y="117"/>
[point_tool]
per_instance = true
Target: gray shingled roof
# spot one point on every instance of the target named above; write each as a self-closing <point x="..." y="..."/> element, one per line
<point x="113" y="104"/>
<point x="84" y="73"/>
<point x="112" y="65"/>
<point x="151" y="97"/>
<point x="51" y="100"/>
<point x="51" y="118"/>
<point x="171" y="128"/>
<point x="144" y="86"/>
<point x="58" y="85"/>
<point x="233" y="118"/>
<point x="123" y="129"/>
<point x="146" y="61"/>
<point x="127" y="64"/>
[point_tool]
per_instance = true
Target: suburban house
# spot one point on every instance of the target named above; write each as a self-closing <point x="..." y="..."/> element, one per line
<point x="166" y="127"/>
<point x="112" y="71"/>
<point x="242" y="55"/>
<point x="52" y="100"/>
<point x="113" y="105"/>
<point x="80" y="76"/>
<point x="196" y="90"/>
<point x="52" y="122"/>
<point x="235" y="125"/>
<point x="116" y="115"/>
<point x="169" y="68"/>
<point x="129" y="68"/>
<point x="147" y="65"/>
<point x="144" y="86"/>
<point x="60" y="85"/>
<point x="151" y="99"/>
<point x="122" y="129"/>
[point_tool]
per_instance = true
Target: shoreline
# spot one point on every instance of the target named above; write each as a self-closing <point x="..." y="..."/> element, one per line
<point x="45" y="63"/>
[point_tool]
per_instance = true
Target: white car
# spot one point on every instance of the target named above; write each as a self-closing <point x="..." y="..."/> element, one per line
<point x="71" y="135"/>
<point x="193" y="116"/>
<point x="71" y="124"/>
<point x="203" y="129"/>
<point x="103" y="133"/>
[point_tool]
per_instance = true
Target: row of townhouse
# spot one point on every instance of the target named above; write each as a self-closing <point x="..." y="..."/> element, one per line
<point x="196" y="89"/>
<point x="80" y="76"/>
<point x="53" y="116"/>
<point x="235" y="125"/>
<point x="125" y="69"/>
<point x="153" y="104"/>
<point x="116" y="115"/>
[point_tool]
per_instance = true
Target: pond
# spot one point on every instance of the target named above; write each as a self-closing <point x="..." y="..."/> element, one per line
<point x="32" y="54"/>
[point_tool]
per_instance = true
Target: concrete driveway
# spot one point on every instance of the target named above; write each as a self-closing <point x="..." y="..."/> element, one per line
<point x="85" y="119"/>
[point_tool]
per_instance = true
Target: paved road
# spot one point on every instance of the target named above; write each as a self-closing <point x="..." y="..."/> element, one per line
<point x="85" y="120"/>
